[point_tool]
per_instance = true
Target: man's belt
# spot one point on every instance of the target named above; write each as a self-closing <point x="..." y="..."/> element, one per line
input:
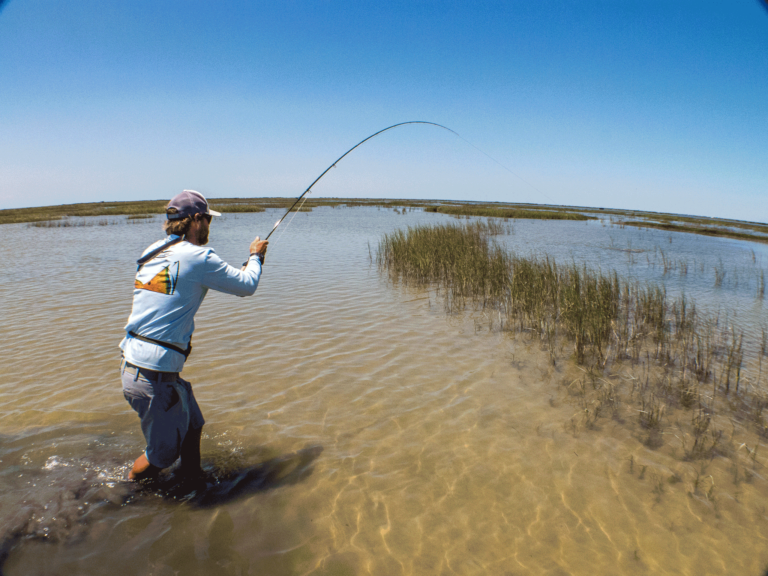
<point x="153" y="375"/>
<point x="165" y="345"/>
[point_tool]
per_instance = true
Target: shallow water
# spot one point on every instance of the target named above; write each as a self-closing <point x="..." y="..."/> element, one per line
<point x="353" y="427"/>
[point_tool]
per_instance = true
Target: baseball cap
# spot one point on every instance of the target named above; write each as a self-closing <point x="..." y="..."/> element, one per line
<point x="189" y="203"/>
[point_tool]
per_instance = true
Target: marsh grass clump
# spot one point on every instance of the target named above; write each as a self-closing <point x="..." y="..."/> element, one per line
<point x="689" y="362"/>
<point x="459" y="261"/>
<point x="530" y="294"/>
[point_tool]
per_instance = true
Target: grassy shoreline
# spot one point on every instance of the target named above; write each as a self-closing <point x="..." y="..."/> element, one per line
<point x="750" y="231"/>
<point x="704" y="231"/>
<point x="499" y="212"/>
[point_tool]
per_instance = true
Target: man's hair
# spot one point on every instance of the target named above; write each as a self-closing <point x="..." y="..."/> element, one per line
<point x="178" y="227"/>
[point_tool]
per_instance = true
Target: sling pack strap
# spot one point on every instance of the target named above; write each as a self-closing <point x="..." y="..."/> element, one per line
<point x="165" y="345"/>
<point x="140" y="262"/>
<point x="147" y="257"/>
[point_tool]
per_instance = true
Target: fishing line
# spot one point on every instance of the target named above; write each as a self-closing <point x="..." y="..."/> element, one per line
<point x="484" y="153"/>
<point x="288" y="224"/>
<point x="303" y="194"/>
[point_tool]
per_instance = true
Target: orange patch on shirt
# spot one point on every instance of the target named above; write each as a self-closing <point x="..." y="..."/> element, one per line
<point x="163" y="282"/>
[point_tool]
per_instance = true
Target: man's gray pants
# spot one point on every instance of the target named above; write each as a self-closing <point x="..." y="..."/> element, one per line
<point x="167" y="408"/>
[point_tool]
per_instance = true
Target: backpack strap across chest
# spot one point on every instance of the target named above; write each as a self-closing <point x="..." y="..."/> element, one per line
<point x="147" y="257"/>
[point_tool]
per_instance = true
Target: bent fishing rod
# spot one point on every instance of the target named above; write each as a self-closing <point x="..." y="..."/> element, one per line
<point x="483" y="152"/>
<point x="342" y="156"/>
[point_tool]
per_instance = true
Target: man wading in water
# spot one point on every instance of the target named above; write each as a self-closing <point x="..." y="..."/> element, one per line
<point x="172" y="279"/>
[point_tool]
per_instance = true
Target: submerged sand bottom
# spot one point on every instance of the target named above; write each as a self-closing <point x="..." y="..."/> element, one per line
<point x="458" y="453"/>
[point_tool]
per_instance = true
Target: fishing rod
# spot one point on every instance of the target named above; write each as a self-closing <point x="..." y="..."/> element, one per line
<point x="342" y="156"/>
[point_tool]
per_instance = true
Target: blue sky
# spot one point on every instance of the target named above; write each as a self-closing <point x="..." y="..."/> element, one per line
<point x="653" y="105"/>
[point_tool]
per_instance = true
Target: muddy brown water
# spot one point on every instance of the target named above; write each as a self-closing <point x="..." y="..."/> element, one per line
<point x="352" y="427"/>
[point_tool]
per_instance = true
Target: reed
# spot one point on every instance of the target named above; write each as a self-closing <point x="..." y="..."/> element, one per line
<point x="667" y="263"/>
<point x="720" y="273"/>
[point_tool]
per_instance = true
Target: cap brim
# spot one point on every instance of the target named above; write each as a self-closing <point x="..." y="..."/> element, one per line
<point x="213" y="212"/>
